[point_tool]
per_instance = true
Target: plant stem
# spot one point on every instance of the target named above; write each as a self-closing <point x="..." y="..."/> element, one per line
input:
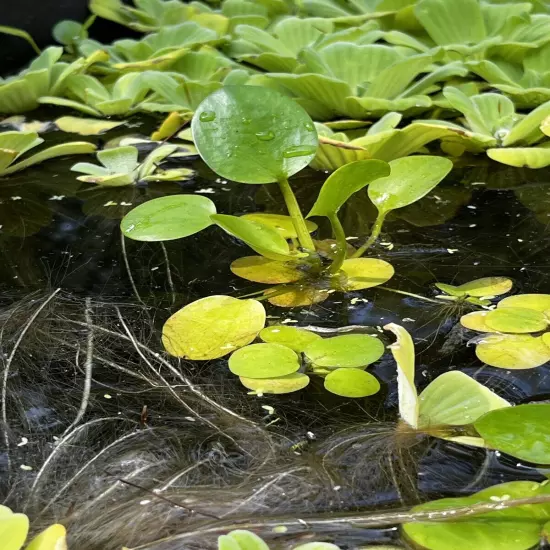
<point x="341" y="242"/>
<point x="375" y="233"/>
<point x="304" y="237"/>
<point x="431" y="300"/>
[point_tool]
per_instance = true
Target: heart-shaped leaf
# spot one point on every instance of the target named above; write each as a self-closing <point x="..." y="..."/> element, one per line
<point x="516" y="320"/>
<point x="261" y="238"/>
<point x="366" y="273"/>
<point x="513" y="351"/>
<point x="346" y="181"/>
<point x="410" y="179"/>
<point x="520" y="431"/>
<point x="294" y="338"/>
<point x="253" y="134"/>
<point x="346" y="351"/>
<point x="168" y="218"/>
<point x="264" y="361"/>
<point x="351" y="383"/>
<point x="264" y="270"/>
<point x="213" y="327"/>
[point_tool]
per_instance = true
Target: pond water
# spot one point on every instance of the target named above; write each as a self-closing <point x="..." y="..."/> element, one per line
<point x="307" y="452"/>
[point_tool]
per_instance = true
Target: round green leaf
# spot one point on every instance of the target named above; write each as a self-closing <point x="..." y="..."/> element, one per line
<point x="366" y="273"/>
<point x="241" y="540"/>
<point x="282" y="384"/>
<point x="264" y="361"/>
<point x="253" y="134"/>
<point x="351" y="383"/>
<point x="212" y="327"/>
<point x="294" y="338"/>
<point x="480" y="288"/>
<point x="538" y="302"/>
<point x="168" y="218"/>
<point x="520" y="431"/>
<point x="261" y="238"/>
<point x="456" y="399"/>
<point x="517" y="528"/>
<point x="517" y="320"/>
<point x="283" y="224"/>
<point x="52" y="538"/>
<point x="13" y="529"/>
<point x="264" y="270"/>
<point x="513" y="351"/>
<point x="346" y="351"/>
<point x="410" y="179"/>
<point x="346" y="181"/>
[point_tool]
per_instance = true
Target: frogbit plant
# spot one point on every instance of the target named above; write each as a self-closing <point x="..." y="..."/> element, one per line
<point x="479" y="292"/>
<point x="120" y="167"/>
<point x="256" y="135"/>
<point x="13" y="145"/>
<point x="515" y="334"/>
<point x="14" y="529"/>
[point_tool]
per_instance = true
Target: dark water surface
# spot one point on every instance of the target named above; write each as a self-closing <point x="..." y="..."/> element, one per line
<point x="485" y="220"/>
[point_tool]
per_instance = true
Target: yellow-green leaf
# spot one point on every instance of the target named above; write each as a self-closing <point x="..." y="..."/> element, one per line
<point x="294" y="338"/>
<point x="516" y="320"/>
<point x="264" y="361"/>
<point x="282" y="384"/>
<point x="296" y="297"/>
<point x="52" y="538"/>
<point x="521" y="157"/>
<point x="283" y="224"/>
<point x="86" y="126"/>
<point x="366" y="272"/>
<point x="475" y="321"/>
<point x="264" y="270"/>
<point x="538" y="302"/>
<point x="213" y="327"/>
<point x="351" y="383"/>
<point x="513" y="351"/>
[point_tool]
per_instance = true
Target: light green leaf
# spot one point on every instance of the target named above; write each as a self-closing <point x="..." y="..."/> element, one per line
<point x="261" y="238"/>
<point x="20" y="33"/>
<point x="212" y="327"/>
<point x="253" y="135"/>
<point x="480" y="288"/>
<point x="527" y="128"/>
<point x="452" y="23"/>
<point x="283" y="224"/>
<point x="295" y="338"/>
<point x="119" y="160"/>
<point x="346" y="181"/>
<point x="110" y="180"/>
<point x="513" y="351"/>
<point x="52" y="538"/>
<point x="455" y="399"/>
<point x="521" y="157"/>
<point x="403" y="353"/>
<point x="537" y="302"/>
<point x="545" y="126"/>
<point x="366" y="273"/>
<point x="280" y="385"/>
<point x="520" y="431"/>
<point x="71" y="148"/>
<point x="264" y="361"/>
<point x="168" y="218"/>
<point x="85" y="126"/>
<point x="304" y="295"/>
<point x="347" y="351"/>
<point x="67" y="32"/>
<point x="241" y="540"/>
<point x="475" y="321"/>
<point x="516" y="320"/>
<point x="410" y="179"/>
<point x="351" y="383"/>
<point x="264" y="270"/>
<point x="516" y="528"/>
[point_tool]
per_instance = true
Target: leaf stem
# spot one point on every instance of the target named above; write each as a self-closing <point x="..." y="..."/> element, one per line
<point x="341" y="242"/>
<point x="431" y="300"/>
<point x="304" y="237"/>
<point x="375" y="233"/>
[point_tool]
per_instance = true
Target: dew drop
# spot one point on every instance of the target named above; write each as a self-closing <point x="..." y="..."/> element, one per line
<point x="207" y="116"/>
<point x="299" y="151"/>
<point x="245" y="120"/>
<point x="310" y="126"/>
<point x="265" y="136"/>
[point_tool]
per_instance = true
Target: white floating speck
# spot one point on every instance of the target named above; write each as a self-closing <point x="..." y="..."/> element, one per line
<point x="24" y="441"/>
<point x="408" y="320"/>
<point x="154" y="268"/>
<point x="473" y="225"/>
<point x="25" y="467"/>
<point x="16" y="198"/>
<point x="269" y="409"/>
<point x="122" y="203"/>
<point x="351" y="238"/>
<point x="57" y="198"/>
<point x="287" y="321"/>
<point x="111" y="203"/>
<point x="452" y="250"/>
<point x="354" y="301"/>
<point x="108" y="396"/>
<point x="206" y="190"/>
<point x="144" y="502"/>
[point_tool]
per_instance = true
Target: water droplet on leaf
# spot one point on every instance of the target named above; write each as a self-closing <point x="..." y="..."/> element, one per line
<point x="207" y="116"/>
<point x="299" y="151"/>
<point x="265" y="136"/>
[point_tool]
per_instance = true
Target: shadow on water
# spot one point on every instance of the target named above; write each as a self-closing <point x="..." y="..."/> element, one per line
<point x="108" y="434"/>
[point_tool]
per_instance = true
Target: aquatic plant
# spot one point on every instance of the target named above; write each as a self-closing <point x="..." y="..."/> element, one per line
<point x="15" y="527"/>
<point x="240" y="539"/>
<point x="514" y="333"/>
<point x="46" y="76"/>
<point x="479" y="292"/>
<point x="493" y="126"/>
<point x="14" y="145"/>
<point x="120" y="167"/>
